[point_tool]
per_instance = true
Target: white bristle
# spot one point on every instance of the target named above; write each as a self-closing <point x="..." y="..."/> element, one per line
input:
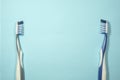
<point x="19" y="29"/>
<point x="104" y="27"/>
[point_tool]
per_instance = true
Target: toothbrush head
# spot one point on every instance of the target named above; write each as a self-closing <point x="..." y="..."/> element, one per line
<point x="20" y="28"/>
<point x="104" y="26"/>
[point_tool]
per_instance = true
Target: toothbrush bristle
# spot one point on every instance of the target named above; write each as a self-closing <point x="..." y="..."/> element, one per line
<point x="20" y="28"/>
<point x="104" y="26"/>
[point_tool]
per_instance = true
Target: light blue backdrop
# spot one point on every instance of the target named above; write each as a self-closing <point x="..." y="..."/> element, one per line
<point x="0" y="40"/>
<point x="61" y="39"/>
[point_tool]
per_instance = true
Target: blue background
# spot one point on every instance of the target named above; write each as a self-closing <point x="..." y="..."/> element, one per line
<point x="61" y="38"/>
<point x="0" y="41"/>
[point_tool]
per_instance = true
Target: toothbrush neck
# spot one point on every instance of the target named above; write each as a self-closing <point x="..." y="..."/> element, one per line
<point x="18" y="43"/>
<point x="104" y="45"/>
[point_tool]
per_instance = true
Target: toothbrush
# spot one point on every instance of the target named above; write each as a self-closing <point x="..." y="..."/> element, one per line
<point x="19" y="67"/>
<point x="102" y="67"/>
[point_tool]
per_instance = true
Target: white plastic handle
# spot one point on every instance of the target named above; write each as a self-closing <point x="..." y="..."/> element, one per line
<point x="103" y="77"/>
<point x="19" y="67"/>
<point x="104" y="69"/>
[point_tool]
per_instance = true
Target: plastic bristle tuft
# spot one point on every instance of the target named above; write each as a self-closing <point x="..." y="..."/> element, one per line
<point x="20" y="28"/>
<point x="20" y="22"/>
<point x="103" y="21"/>
<point x="104" y="26"/>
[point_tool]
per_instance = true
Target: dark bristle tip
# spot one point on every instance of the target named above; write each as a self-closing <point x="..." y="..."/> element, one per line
<point x="20" y="22"/>
<point x="103" y="21"/>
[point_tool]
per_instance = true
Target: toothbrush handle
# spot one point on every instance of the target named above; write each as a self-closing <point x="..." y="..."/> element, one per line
<point x="19" y="68"/>
<point x="102" y="67"/>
